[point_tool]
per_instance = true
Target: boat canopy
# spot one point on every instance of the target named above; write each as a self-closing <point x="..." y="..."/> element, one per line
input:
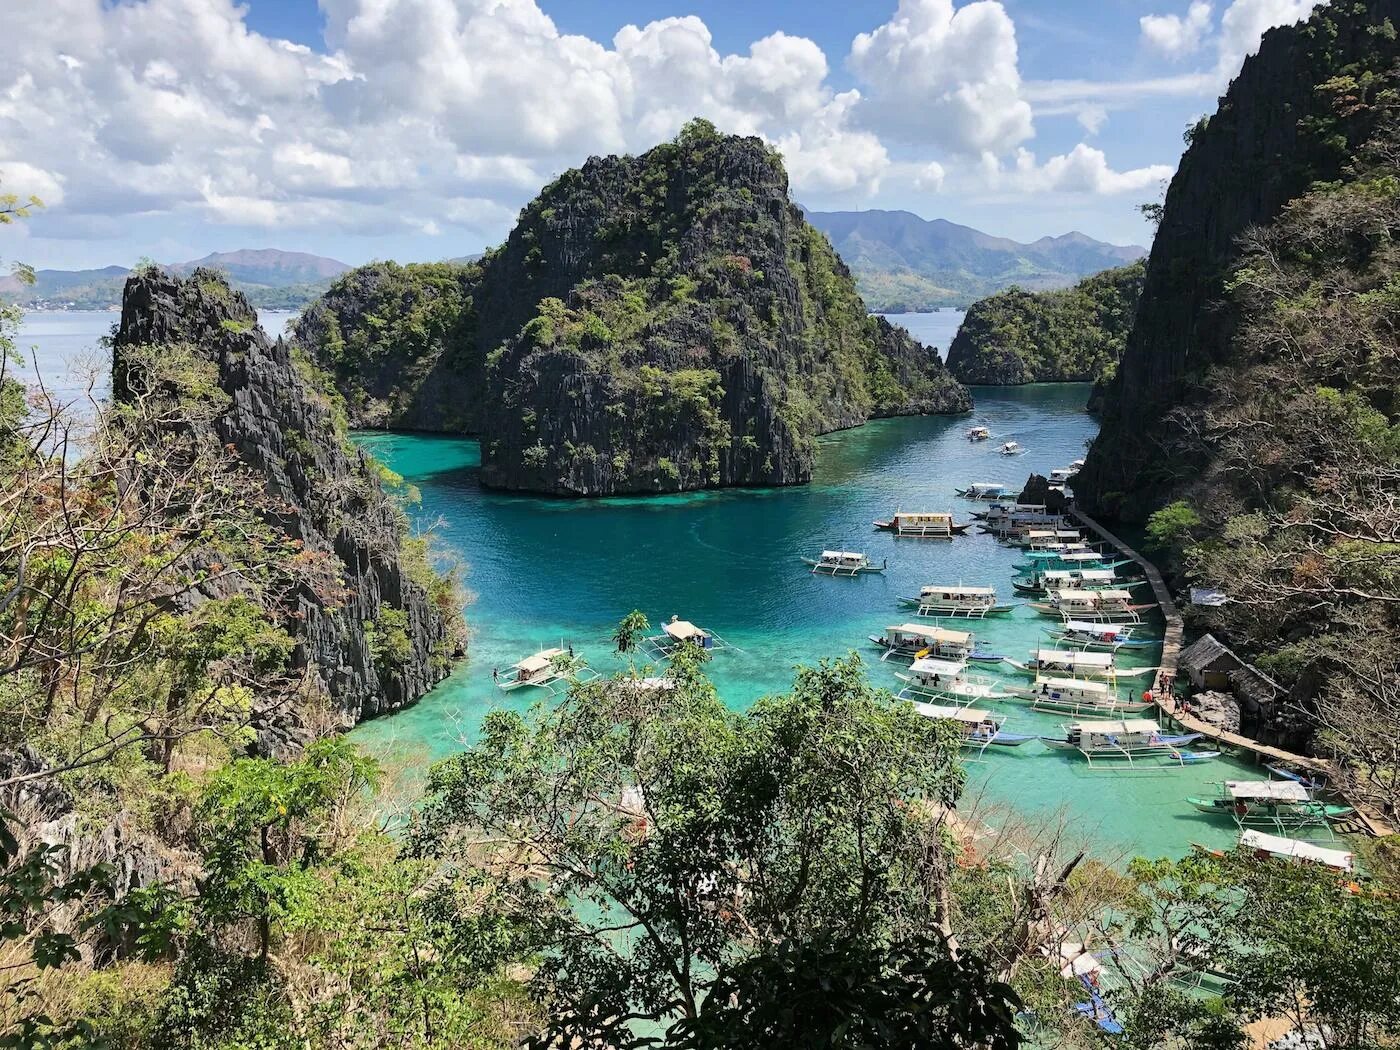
<point x="987" y="486"/>
<point x="1294" y="848"/>
<point x="1087" y="597"/>
<point x="959" y="714"/>
<point x="1041" y="534"/>
<point x="1078" y="555"/>
<point x="1073" y="683"/>
<point x="958" y="591"/>
<point x="942" y="668"/>
<point x="684" y="631"/>
<point x="1126" y="725"/>
<point x="538" y="662"/>
<point x="1275" y="790"/>
<point x="923" y="515"/>
<point x="933" y="634"/>
<point x="1106" y="575"/>
<point x="1075" y="658"/>
<point x="1103" y="630"/>
<point x="842" y="556"/>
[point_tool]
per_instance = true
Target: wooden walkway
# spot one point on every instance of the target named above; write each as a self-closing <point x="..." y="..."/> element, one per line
<point x="1172" y="640"/>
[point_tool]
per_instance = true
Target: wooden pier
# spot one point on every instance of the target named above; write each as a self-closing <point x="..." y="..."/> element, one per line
<point x="1165" y="699"/>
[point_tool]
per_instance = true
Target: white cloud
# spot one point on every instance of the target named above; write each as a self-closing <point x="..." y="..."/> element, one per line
<point x="942" y="76"/>
<point x="1175" y="35"/>
<point x="1083" y="170"/>
<point x="1244" y="23"/>
<point x="426" y="116"/>
<point x="1092" y="118"/>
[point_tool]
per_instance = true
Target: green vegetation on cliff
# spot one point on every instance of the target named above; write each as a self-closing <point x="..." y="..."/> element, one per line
<point x="1254" y="416"/>
<point x="653" y="323"/>
<point x="1074" y="335"/>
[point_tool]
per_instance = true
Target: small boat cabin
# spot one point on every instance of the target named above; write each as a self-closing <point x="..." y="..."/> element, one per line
<point x="1011" y="448"/>
<point x="978" y="433"/>
<point x="924" y="524"/>
<point x="919" y="640"/>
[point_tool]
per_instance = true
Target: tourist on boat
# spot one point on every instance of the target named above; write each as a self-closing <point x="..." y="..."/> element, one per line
<point x="495" y="674"/>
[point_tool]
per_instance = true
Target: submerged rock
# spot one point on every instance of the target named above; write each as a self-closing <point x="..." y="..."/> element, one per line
<point x="328" y="496"/>
<point x="652" y="324"/>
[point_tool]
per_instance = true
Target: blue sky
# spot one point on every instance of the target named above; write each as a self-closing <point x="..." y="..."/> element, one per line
<point x="415" y="129"/>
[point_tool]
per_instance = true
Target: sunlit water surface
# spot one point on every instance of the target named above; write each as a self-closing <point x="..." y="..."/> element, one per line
<point x="547" y="571"/>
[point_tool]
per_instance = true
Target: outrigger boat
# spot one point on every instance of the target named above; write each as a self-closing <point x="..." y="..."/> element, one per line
<point x="1078" y="696"/>
<point x="913" y="641"/>
<point x="544" y="670"/>
<point x="676" y="633"/>
<point x="1296" y="851"/>
<point x="924" y="525"/>
<point x="1061" y="475"/>
<point x="1092" y="606"/>
<point x="1108" y="636"/>
<point x="1042" y="581"/>
<point x="1011" y="448"/>
<point x="844" y="563"/>
<point x="1131" y="740"/>
<point x="1076" y="662"/>
<point x="990" y="491"/>
<point x="957" y="601"/>
<point x="979" y="729"/>
<point x="1278" y="803"/>
<point x="947" y="680"/>
<point x="1001" y="510"/>
<point x="978" y="433"/>
<point x="1079" y="557"/>
<point x="1036" y="538"/>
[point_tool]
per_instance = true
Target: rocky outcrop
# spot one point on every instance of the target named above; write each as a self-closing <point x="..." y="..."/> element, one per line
<point x="1071" y="336"/>
<point x="1280" y="128"/>
<point x="1038" y="493"/>
<point x="652" y="324"/>
<point x="327" y="494"/>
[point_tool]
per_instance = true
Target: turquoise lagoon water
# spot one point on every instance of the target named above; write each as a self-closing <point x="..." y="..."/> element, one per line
<point x="549" y="571"/>
<point x="545" y="571"/>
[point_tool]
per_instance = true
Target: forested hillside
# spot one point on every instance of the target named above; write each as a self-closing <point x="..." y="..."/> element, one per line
<point x="1254" y="415"/>
<point x="652" y="324"/>
<point x="1072" y="336"/>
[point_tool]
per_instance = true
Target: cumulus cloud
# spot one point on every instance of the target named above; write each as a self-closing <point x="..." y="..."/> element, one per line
<point x="428" y="116"/>
<point x="1244" y="23"/>
<point x="1175" y="35"/>
<point x="945" y="76"/>
<point x="1083" y="170"/>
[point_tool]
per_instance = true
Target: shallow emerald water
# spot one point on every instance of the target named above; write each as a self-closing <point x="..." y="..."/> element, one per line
<point x="547" y="571"/>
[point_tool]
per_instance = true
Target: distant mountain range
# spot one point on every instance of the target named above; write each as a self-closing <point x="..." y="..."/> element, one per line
<point x="906" y="263"/>
<point x="270" y="278"/>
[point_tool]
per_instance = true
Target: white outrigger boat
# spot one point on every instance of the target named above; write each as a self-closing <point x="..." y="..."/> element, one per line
<point x="676" y="633"/>
<point x="1079" y="696"/>
<point x="974" y="602"/>
<point x="978" y="433"/>
<point x="914" y="641"/>
<point x="979" y="729"/>
<point x="1093" y="606"/>
<point x="1105" y="636"/>
<point x="947" y="680"/>
<point x="1295" y="851"/>
<point x="1130" y="740"/>
<point x="844" y="563"/>
<point x="1043" y="581"/>
<point x="935" y="525"/>
<point x="1034" y="538"/>
<point x="1011" y="448"/>
<point x="1274" y="803"/>
<point x="544" y="670"/>
<point x="989" y="491"/>
<point x="1062" y="475"/>
<point x="1076" y="662"/>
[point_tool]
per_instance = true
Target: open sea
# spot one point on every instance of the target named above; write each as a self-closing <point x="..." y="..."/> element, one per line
<point x="549" y="571"/>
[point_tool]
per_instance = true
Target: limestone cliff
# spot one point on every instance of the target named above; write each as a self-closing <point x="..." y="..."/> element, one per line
<point x="1284" y="125"/>
<point x="1075" y="335"/>
<point x="329" y="497"/>
<point x="652" y="324"/>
